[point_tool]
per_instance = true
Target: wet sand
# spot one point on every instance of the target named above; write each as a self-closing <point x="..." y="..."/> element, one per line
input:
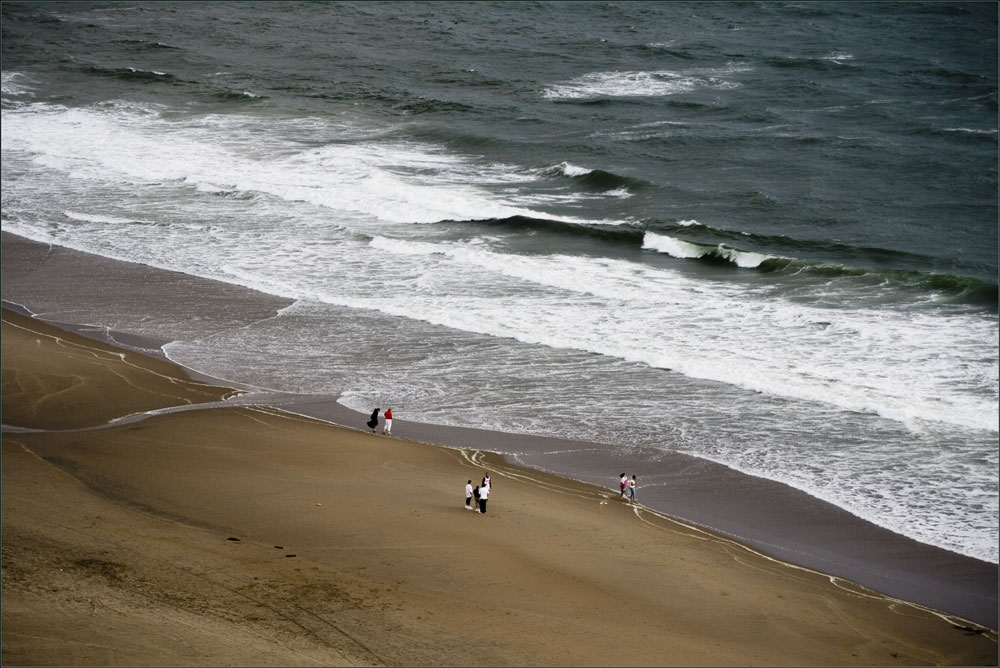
<point x="770" y="517"/>
<point x="251" y="536"/>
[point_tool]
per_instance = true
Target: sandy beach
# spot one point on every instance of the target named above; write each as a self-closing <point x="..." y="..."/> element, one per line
<point x="744" y="254"/>
<point x="122" y="303"/>
<point x="241" y="535"/>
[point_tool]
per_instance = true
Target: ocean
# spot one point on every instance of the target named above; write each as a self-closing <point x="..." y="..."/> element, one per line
<point x="763" y="234"/>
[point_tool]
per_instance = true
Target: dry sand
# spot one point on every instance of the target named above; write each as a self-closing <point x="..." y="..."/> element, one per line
<point x="248" y="536"/>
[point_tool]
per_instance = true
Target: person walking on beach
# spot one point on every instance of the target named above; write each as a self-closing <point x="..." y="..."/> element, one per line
<point x="631" y="489"/>
<point x="387" y="430"/>
<point x="373" y="421"/>
<point x="475" y="493"/>
<point x="486" y="480"/>
<point x="622" y="483"/>
<point x="484" y="493"/>
<point x="468" y="495"/>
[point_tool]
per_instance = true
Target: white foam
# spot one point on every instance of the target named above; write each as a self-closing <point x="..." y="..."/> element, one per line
<point x="621" y="84"/>
<point x="391" y="181"/>
<point x="641" y="83"/>
<point x="715" y="332"/>
<point x="838" y="57"/>
<point x="86" y="218"/>
<point x="15" y="84"/>
<point x="388" y="181"/>
<point x="573" y="170"/>
<point x="159" y="74"/>
<point x="972" y="131"/>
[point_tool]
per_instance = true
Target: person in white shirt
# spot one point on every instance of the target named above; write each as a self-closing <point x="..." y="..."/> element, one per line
<point x="468" y="495"/>
<point x="484" y="493"/>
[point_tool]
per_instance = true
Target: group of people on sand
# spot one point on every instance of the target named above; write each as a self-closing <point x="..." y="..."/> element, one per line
<point x="627" y="486"/>
<point x="373" y="422"/>
<point x="481" y="493"/>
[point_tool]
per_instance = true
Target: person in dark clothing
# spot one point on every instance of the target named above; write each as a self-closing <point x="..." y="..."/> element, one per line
<point x="373" y="421"/>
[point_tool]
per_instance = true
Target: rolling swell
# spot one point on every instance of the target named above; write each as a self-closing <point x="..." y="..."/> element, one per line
<point x="966" y="290"/>
<point x="616" y="234"/>
<point x="239" y="96"/>
<point x="758" y="253"/>
<point x="783" y="243"/>
<point x="597" y="179"/>
<point x="134" y="75"/>
<point x="814" y="250"/>
<point x="944" y="288"/>
<point x="456" y="139"/>
<point x="150" y="46"/>
<point x="789" y="257"/>
<point x="826" y="64"/>
<point x="940" y="288"/>
<point x="433" y="106"/>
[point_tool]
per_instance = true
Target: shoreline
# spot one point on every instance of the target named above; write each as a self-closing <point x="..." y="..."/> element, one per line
<point x="240" y="535"/>
<point x="773" y="518"/>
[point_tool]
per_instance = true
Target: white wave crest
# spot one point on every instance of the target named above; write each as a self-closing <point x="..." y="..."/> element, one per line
<point x="686" y="250"/>
<point x="673" y="247"/>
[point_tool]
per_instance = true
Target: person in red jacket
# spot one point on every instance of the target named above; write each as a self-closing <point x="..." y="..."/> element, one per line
<point x="387" y="429"/>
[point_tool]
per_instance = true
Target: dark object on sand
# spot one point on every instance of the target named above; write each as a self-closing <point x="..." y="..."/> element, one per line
<point x="373" y="421"/>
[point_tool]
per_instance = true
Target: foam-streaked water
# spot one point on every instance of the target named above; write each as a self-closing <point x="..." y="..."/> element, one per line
<point x="640" y="224"/>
